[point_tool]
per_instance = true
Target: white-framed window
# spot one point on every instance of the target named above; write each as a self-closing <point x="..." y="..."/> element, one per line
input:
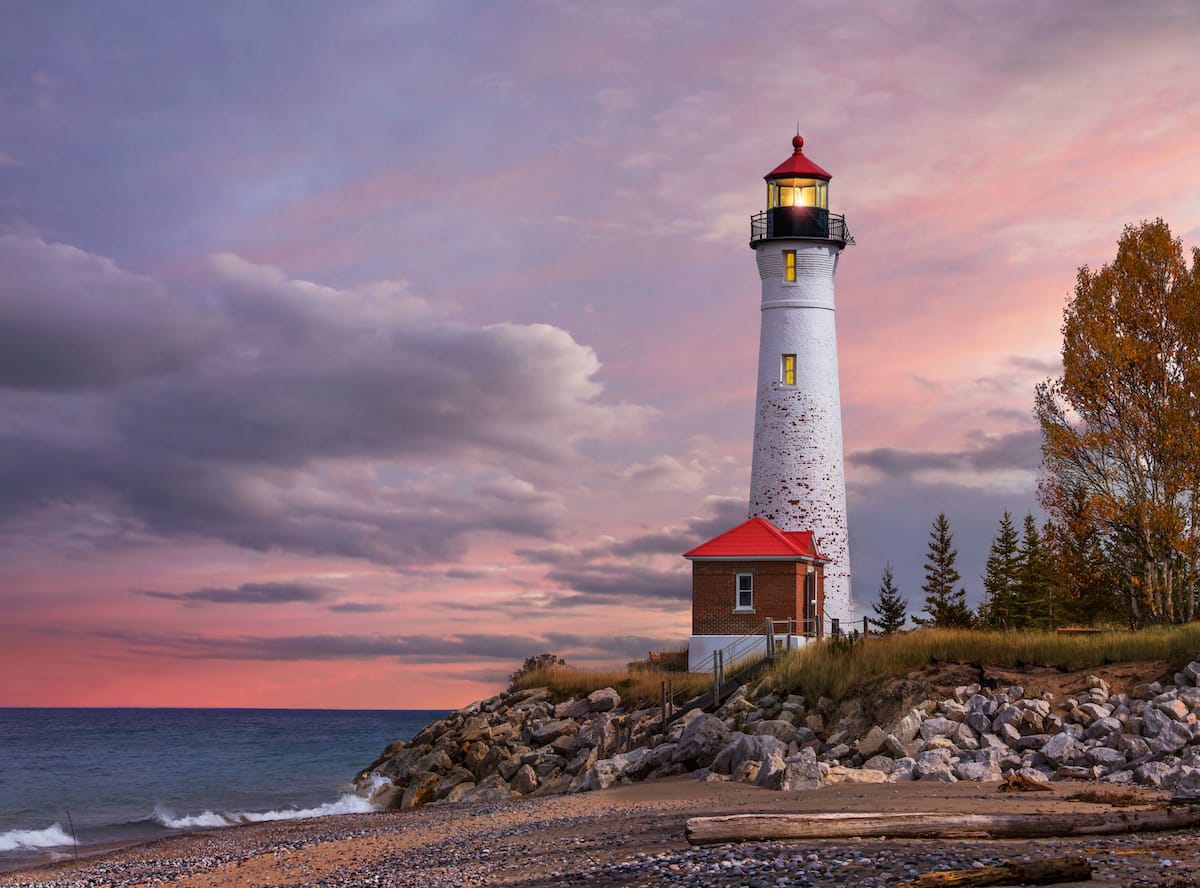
<point x="787" y="369"/>
<point x="744" y="584"/>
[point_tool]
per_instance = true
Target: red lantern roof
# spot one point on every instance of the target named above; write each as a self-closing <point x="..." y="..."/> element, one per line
<point x="797" y="166"/>
<point x="758" y="538"/>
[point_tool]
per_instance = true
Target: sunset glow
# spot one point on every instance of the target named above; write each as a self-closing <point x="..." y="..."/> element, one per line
<point x="349" y="356"/>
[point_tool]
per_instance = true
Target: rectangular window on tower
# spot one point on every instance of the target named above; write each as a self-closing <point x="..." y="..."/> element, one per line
<point x="789" y="265"/>
<point x="787" y="370"/>
<point x="745" y="592"/>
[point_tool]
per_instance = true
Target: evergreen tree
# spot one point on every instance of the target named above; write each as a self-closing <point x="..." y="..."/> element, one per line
<point x="1033" y="594"/>
<point x="890" y="607"/>
<point x="1000" y="579"/>
<point x="944" y="606"/>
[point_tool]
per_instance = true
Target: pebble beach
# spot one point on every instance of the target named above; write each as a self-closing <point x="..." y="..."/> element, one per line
<point x="628" y="835"/>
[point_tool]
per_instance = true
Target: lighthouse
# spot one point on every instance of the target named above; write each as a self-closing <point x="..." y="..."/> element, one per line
<point x="783" y="575"/>
<point x="798" y="478"/>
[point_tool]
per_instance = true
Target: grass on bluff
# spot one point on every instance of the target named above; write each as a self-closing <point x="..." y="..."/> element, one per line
<point x="639" y="688"/>
<point x="832" y="669"/>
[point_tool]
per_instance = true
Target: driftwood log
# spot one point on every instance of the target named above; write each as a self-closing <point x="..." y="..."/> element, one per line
<point x="921" y="825"/>
<point x="1018" y="872"/>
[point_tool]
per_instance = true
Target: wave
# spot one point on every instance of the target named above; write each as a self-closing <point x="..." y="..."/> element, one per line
<point x="347" y="804"/>
<point x="53" y="836"/>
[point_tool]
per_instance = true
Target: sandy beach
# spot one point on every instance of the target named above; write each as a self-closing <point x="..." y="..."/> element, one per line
<point x="630" y="835"/>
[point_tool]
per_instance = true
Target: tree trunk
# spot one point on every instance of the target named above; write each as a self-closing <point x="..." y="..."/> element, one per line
<point x="1022" y="872"/>
<point x="916" y="825"/>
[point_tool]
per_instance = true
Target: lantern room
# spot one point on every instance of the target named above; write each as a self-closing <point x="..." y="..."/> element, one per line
<point x="798" y="203"/>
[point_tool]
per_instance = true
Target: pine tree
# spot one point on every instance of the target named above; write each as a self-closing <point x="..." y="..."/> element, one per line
<point x="944" y="606"/>
<point x="890" y="607"/>
<point x="1000" y="580"/>
<point x="1033" y="593"/>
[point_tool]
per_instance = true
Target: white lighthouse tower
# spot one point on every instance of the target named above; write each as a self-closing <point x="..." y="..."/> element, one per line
<point x="798" y="481"/>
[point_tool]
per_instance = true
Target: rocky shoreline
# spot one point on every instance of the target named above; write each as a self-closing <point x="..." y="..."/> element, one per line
<point x="523" y="744"/>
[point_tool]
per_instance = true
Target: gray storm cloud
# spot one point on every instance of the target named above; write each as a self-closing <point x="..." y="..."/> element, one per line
<point x="271" y="413"/>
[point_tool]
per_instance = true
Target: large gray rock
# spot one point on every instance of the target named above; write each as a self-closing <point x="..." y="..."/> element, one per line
<point x="880" y="763"/>
<point x="908" y="727"/>
<point x="1105" y="757"/>
<point x="1192" y="672"/>
<point x="954" y="710"/>
<point x="1152" y="774"/>
<point x="603" y="700"/>
<point x="902" y="770"/>
<point x="840" y="774"/>
<point x="475" y="728"/>
<point x="980" y="722"/>
<point x="524" y="781"/>
<point x="1006" y="715"/>
<point x="701" y="740"/>
<point x="935" y="765"/>
<point x="893" y="746"/>
<point x="1187" y="785"/>
<point x="873" y="742"/>
<point x="964" y="738"/>
<point x="977" y="771"/>
<point x="490" y="789"/>
<point x="1154" y="721"/>
<point x="1172" y="738"/>
<point x="625" y="767"/>
<point x="422" y="788"/>
<point x="544" y="732"/>
<point x="1063" y="749"/>
<point x="802" y="771"/>
<point x="1133" y="745"/>
<point x="1174" y="708"/>
<point x="777" y="728"/>
<point x="1095" y="711"/>
<point x="770" y="772"/>
<point x="1103" y="728"/>
<point x="601" y="732"/>
<point x="742" y="748"/>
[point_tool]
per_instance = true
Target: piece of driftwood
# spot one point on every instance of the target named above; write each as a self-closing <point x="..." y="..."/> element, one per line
<point x="1015" y="782"/>
<point x="1018" y="872"/>
<point x="920" y="825"/>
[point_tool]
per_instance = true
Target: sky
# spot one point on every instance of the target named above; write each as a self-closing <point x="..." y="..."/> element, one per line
<point x="351" y="353"/>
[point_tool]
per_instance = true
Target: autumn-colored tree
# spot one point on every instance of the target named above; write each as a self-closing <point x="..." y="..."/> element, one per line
<point x="1121" y="426"/>
<point x="891" y="608"/>
<point x="1000" y="578"/>
<point x="944" y="605"/>
<point x="1087" y="584"/>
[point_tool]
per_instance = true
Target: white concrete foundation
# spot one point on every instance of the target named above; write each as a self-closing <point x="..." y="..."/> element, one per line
<point x="701" y="647"/>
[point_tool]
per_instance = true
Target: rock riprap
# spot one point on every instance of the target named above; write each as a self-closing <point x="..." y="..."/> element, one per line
<point x="521" y="743"/>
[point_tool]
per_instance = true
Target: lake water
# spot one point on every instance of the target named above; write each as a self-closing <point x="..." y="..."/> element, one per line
<point x="116" y="775"/>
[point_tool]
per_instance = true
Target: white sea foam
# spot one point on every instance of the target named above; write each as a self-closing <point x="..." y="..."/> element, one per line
<point x="347" y="804"/>
<point x="53" y="836"/>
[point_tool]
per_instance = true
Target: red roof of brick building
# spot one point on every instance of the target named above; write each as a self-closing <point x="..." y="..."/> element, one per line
<point x="758" y="538"/>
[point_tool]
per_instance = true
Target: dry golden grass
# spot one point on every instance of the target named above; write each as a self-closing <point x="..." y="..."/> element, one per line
<point x="638" y="688"/>
<point x="830" y="669"/>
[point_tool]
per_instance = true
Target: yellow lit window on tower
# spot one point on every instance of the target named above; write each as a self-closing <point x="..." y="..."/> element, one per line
<point x="787" y="370"/>
<point x="789" y="265"/>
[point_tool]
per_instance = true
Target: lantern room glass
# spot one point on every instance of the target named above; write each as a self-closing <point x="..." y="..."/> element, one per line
<point x="798" y="193"/>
